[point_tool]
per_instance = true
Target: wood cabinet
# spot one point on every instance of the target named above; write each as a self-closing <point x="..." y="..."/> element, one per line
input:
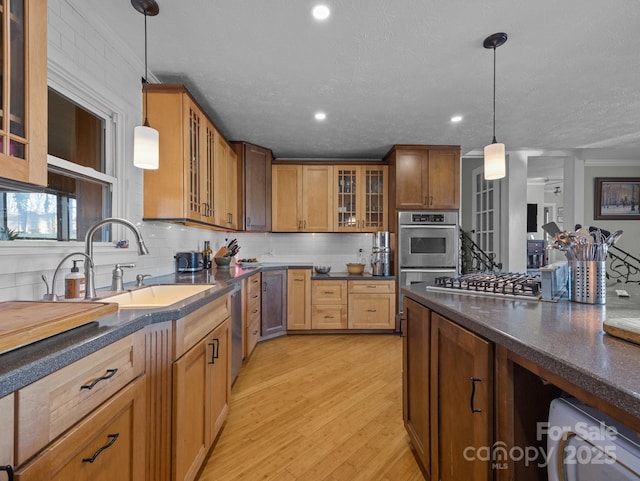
<point x="7" y="421"/>
<point x="226" y="185"/>
<point x="461" y="401"/>
<point x="252" y="291"/>
<point x="424" y="177"/>
<point x="202" y="383"/>
<point x="51" y="405"/>
<point x="360" y="198"/>
<point x="23" y="125"/>
<point x="274" y="303"/>
<point x="329" y="304"/>
<point x="447" y="395"/>
<point x="416" y="364"/>
<point x="108" y="444"/>
<point x="302" y="198"/>
<point x="372" y="305"/>
<point x="255" y="165"/>
<point x="298" y="299"/>
<point x="197" y="181"/>
<point x="352" y="304"/>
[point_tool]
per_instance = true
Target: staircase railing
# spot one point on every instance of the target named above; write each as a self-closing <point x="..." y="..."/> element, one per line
<point x="623" y="266"/>
<point x="473" y="258"/>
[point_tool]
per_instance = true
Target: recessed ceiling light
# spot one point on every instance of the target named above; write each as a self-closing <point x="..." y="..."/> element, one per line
<point x="456" y="118"/>
<point x="321" y="12"/>
<point x="320" y="116"/>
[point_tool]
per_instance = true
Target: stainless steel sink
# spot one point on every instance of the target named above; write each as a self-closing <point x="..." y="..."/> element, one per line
<point x="156" y="296"/>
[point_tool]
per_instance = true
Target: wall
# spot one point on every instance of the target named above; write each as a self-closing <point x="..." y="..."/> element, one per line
<point x="87" y="53"/>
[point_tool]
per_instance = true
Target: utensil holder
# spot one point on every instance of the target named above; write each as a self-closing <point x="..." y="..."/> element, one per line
<point x="587" y="282"/>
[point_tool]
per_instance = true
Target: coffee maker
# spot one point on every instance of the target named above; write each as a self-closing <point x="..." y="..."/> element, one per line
<point x="380" y="254"/>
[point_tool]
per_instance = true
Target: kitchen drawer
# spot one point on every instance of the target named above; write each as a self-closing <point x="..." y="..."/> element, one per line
<point x="254" y="284"/>
<point x="329" y="292"/>
<point x="190" y="329"/>
<point x="252" y="335"/>
<point x="51" y="405"/>
<point x="327" y="316"/>
<point x="372" y="287"/>
<point x="372" y="312"/>
<point x="108" y="444"/>
<point x="254" y="302"/>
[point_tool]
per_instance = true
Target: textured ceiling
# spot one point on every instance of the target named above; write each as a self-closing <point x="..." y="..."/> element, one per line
<point x="388" y="72"/>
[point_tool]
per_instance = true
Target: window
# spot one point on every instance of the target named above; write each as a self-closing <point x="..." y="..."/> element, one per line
<point x="79" y="190"/>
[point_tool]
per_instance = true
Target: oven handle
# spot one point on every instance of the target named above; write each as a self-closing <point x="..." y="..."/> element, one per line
<point x="428" y="226"/>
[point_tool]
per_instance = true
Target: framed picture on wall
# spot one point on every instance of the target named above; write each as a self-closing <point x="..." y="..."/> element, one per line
<point x="617" y="198"/>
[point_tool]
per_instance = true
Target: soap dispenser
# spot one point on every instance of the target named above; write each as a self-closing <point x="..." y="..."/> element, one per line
<point x="74" y="283"/>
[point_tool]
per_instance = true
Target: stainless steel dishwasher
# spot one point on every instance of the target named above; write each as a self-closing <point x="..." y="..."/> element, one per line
<point x="236" y="330"/>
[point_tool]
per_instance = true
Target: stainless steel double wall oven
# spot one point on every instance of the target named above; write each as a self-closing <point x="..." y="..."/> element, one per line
<point x="428" y="245"/>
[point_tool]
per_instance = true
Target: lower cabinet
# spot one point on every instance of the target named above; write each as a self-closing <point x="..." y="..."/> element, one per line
<point x="274" y="303"/>
<point x="252" y="290"/>
<point x="448" y="400"/>
<point x="7" y="422"/>
<point x="201" y="400"/>
<point x="298" y="299"/>
<point x="108" y="444"/>
<point x="352" y="304"/>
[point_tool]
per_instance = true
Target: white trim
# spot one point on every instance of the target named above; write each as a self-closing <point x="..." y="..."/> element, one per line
<point x="612" y="163"/>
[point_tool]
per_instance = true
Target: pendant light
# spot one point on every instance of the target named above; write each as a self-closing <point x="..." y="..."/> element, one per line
<point x="494" y="153"/>
<point x="146" y="140"/>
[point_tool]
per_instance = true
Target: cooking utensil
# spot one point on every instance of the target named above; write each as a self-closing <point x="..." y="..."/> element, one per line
<point x="551" y="228"/>
<point x="613" y="238"/>
<point x="322" y="269"/>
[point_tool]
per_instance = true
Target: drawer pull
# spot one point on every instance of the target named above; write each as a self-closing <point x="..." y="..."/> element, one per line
<point x="110" y="373"/>
<point x="371" y="287"/>
<point x="215" y="351"/>
<point x="255" y="333"/>
<point x="255" y="297"/>
<point x="329" y="292"/>
<point x="474" y="380"/>
<point x="328" y="317"/>
<point x="255" y="311"/>
<point x="371" y="310"/>
<point x="112" y="439"/>
<point x="9" y="469"/>
<point x="299" y="280"/>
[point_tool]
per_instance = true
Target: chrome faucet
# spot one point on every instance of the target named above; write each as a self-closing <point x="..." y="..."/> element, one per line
<point x="90" y="286"/>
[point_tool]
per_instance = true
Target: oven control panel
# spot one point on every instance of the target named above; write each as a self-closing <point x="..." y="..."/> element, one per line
<point x="427" y="218"/>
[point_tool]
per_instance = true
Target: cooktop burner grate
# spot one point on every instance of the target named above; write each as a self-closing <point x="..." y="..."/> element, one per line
<point x="501" y="284"/>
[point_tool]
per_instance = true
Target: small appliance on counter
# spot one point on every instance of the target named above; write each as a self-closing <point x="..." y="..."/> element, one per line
<point x="536" y="254"/>
<point x="190" y="261"/>
<point x="380" y="254"/>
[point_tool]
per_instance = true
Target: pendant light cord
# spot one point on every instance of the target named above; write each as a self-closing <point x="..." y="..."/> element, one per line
<point x="146" y="81"/>
<point x="494" y="96"/>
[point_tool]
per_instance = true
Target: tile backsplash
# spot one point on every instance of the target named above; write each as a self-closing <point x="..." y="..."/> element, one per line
<point x="22" y="263"/>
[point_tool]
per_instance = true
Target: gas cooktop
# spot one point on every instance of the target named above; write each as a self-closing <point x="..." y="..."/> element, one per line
<point x="507" y="285"/>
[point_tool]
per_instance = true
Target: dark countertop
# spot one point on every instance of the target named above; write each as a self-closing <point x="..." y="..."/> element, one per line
<point x="565" y="338"/>
<point x="27" y="364"/>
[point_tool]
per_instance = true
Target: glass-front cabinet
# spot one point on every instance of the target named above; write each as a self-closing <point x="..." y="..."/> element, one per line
<point x="23" y="90"/>
<point x="360" y="198"/>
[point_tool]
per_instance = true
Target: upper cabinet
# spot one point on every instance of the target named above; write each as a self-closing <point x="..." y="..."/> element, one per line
<point x="424" y="177"/>
<point x="198" y="175"/>
<point x="23" y="83"/>
<point x="302" y="198"/>
<point x="255" y="185"/>
<point x="360" y="198"/>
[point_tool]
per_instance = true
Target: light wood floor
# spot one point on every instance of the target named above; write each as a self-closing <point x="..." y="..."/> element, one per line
<point x="317" y="407"/>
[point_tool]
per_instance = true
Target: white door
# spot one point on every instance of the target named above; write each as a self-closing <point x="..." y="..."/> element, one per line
<point x="486" y="214"/>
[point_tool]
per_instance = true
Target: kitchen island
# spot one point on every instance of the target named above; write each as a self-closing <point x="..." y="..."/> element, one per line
<point x="482" y="370"/>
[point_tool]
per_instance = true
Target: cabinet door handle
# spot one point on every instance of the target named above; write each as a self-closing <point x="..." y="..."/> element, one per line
<point x="215" y="350"/>
<point x="304" y="224"/>
<point x="299" y="280"/>
<point x="112" y="439"/>
<point x="474" y="380"/>
<point x="264" y="286"/>
<point x="255" y="311"/>
<point x="371" y="310"/>
<point x="248" y="221"/>
<point x="255" y="333"/>
<point x="9" y="469"/>
<point x="110" y="373"/>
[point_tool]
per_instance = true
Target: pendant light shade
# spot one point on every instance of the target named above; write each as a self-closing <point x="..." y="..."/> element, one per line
<point x="146" y="140"/>
<point x="146" y="147"/>
<point x="495" y="164"/>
